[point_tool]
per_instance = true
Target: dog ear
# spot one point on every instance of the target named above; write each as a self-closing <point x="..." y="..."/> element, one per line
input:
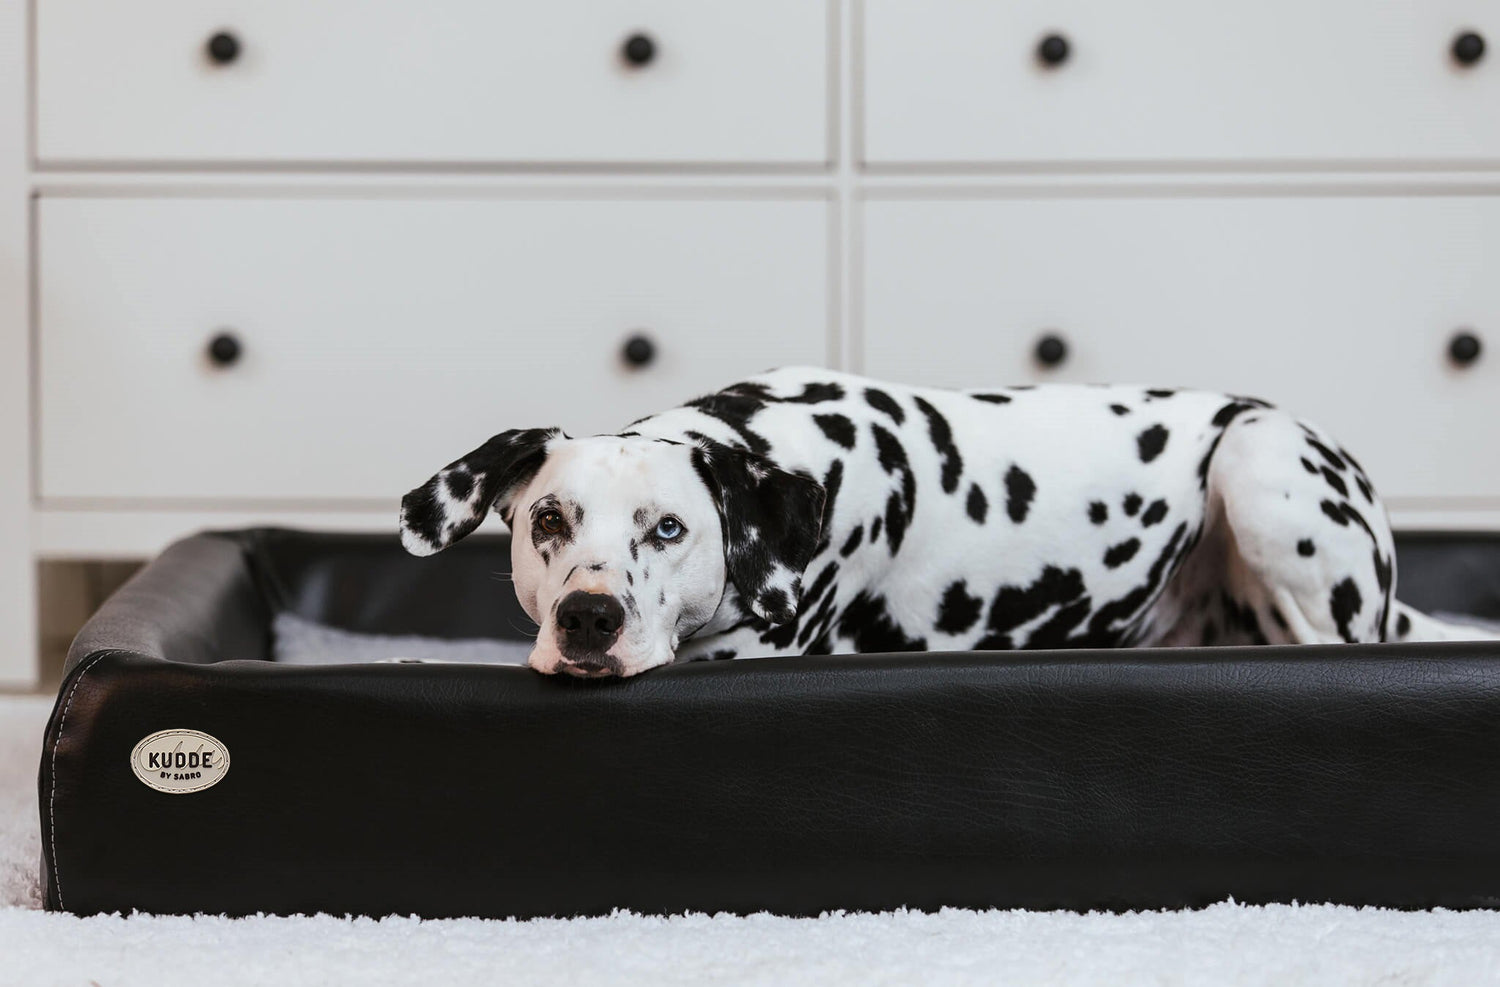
<point x="452" y="503"/>
<point x="771" y="519"/>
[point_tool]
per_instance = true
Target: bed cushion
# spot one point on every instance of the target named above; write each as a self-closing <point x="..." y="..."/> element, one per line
<point x="1362" y="774"/>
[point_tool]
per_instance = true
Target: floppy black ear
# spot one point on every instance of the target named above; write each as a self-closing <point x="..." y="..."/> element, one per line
<point x="771" y="521"/>
<point x="452" y="503"/>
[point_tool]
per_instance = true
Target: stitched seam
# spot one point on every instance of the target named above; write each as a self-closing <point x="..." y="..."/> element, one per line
<point x="52" y="795"/>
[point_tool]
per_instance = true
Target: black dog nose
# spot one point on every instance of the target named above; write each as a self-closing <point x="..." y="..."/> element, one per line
<point x="590" y="621"/>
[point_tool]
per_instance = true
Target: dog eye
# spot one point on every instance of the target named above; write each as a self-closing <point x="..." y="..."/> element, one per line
<point x="550" y="521"/>
<point x="668" y="528"/>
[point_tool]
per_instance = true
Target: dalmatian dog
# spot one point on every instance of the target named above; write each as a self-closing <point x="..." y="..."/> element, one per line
<point x="807" y="511"/>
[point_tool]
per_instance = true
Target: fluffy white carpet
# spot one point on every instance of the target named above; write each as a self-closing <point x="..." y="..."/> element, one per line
<point x="1227" y="944"/>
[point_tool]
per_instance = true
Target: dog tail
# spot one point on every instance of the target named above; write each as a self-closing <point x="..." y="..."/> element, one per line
<point x="1408" y="624"/>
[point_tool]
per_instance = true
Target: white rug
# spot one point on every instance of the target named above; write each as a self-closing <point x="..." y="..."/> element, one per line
<point x="1227" y="944"/>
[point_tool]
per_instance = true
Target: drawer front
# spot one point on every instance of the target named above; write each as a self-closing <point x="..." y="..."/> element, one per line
<point x="1342" y="310"/>
<point x="465" y="81"/>
<point x="379" y="339"/>
<point x="1273" y="81"/>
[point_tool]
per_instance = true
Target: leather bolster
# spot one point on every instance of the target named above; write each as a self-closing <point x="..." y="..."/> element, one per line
<point x="1358" y="774"/>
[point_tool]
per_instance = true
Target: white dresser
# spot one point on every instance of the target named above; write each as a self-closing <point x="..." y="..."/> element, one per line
<point x="273" y="262"/>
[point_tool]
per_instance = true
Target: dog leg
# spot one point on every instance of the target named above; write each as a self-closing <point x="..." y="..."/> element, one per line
<point x="1312" y="557"/>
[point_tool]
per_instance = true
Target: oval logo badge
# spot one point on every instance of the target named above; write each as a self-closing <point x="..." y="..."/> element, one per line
<point x="179" y="762"/>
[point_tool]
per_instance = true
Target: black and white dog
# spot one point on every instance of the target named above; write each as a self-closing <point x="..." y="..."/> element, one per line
<point x="807" y="511"/>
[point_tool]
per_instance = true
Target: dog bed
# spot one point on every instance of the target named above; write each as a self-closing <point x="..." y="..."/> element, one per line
<point x="1359" y="774"/>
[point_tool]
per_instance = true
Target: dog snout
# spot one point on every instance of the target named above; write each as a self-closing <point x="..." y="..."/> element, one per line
<point x="589" y="624"/>
<point x="587" y="669"/>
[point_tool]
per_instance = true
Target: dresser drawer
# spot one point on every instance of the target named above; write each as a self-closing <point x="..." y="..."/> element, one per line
<point x="1340" y="309"/>
<point x="1181" y="81"/>
<point x="377" y="339"/>
<point x="460" y="81"/>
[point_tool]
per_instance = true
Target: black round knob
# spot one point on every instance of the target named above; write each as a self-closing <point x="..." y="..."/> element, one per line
<point x="223" y="48"/>
<point x="1053" y="50"/>
<point x="638" y="350"/>
<point x="638" y="50"/>
<point x="1468" y="48"/>
<point x="224" y="349"/>
<point x="1051" y="350"/>
<point x="1464" y="348"/>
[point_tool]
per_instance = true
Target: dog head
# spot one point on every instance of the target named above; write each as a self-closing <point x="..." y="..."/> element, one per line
<point x="623" y="546"/>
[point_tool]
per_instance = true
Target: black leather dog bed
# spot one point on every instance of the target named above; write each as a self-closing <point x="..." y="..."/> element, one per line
<point x="1358" y="774"/>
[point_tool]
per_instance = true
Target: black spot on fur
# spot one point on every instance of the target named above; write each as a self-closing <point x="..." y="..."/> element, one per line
<point x="1161" y="392"/>
<point x="896" y="518"/>
<point x="941" y="435"/>
<point x="1132" y="504"/>
<point x="813" y="638"/>
<point x="1151" y="442"/>
<point x="1342" y="513"/>
<point x="1015" y="605"/>
<point x="959" y="610"/>
<point x="1053" y="633"/>
<point x="1118" y="555"/>
<point x="1154" y="514"/>
<point x="1305" y="547"/>
<point x="881" y="401"/>
<point x="1336" y="482"/>
<point x="1403" y="625"/>
<point x="869" y="627"/>
<point x="460" y="484"/>
<point x="1098" y="513"/>
<point x="773" y="601"/>
<point x="1102" y="632"/>
<point x="1345" y="603"/>
<point x="635" y="550"/>
<point x="1119" y="409"/>
<point x="852" y="542"/>
<point x="1384" y="572"/>
<point x="1307" y="464"/>
<point x="817" y="393"/>
<point x="819" y="586"/>
<point x="736" y="407"/>
<point x="838" y="429"/>
<point x="978" y="504"/>
<point x="1226" y="414"/>
<point x="992" y="398"/>
<point x="1020" y="488"/>
<point x="901" y="505"/>
<point x="1365" y="490"/>
<point x="770" y="520"/>
<point x="833" y="482"/>
<point x="875" y="529"/>
<point x="1328" y="454"/>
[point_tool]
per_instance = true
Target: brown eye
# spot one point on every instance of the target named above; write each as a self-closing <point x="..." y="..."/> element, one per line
<point x="550" y="521"/>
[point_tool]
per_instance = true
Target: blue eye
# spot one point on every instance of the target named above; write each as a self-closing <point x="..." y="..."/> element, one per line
<point x="668" y="528"/>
